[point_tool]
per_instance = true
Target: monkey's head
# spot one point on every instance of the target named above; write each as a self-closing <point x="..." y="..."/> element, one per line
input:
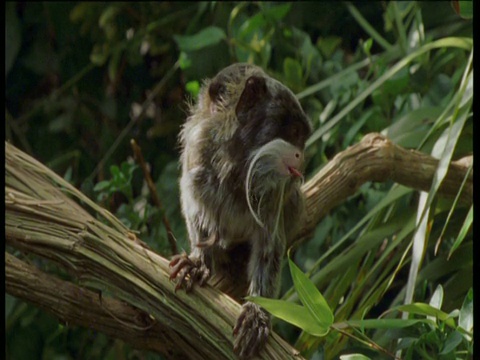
<point x="267" y="127"/>
<point x="260" y="110"/>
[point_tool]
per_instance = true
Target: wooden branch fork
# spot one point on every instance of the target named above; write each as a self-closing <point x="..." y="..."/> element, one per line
<point x="120" y="287"/>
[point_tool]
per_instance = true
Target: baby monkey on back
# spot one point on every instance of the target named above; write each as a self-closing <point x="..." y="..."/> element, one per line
<point x="242" y="154"/>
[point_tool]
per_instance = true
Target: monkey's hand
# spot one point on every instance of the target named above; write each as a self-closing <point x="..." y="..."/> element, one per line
<point x="188" y="271"/>
<point x="251" y="331"/>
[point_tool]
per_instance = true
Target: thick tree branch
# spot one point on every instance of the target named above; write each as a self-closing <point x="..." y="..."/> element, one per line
<point x="43" y="217"/>
<point x="376" y="158"/>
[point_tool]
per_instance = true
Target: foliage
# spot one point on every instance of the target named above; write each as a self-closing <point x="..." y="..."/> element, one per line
<point x="84" y="78"/>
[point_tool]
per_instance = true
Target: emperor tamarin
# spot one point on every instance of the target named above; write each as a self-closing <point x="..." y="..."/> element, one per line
<point x="242" y="155"/>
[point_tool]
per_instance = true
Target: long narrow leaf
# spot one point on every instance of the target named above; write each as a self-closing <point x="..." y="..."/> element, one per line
<point x="382" y="323"/>
<point x="463" y="231"/>
<point x="311" y="297"/>
<point x="426" y="310"/>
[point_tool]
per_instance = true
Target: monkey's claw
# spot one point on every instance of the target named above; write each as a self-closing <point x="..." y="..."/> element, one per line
<point x="188" y="271"/>
<point x="251" y="331"/>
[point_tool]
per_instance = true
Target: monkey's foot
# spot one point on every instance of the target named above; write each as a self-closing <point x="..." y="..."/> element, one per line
<point x="188" y="271"/>
<point x="251" y="331"/>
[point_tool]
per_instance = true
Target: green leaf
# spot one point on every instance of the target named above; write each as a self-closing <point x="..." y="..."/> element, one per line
<point x="277" y="12"/>
<point x="382" y="323"/>
<point x="193" y="87"/>
<point x="102" y="185"/>
<point x="115" y="171"/>
<point x="463" y="231"/>
<point x="437" y="299"/>
<point x="184" y="61"/>
<point x="463" y="43"/>
<point x="410" y="122"/>
<point x="293" y="72"/>
<point x="463" y="8"/>
<point x="427" y="310"/>
<point x="328" y="45"/>
<point x="452" y="341"/>
<point x="311" y="297"/>
<point x="292" y="313"/>
<point x="465" y="319"/>
<point x="207" y="37"/>
<point x="354" y="357"/>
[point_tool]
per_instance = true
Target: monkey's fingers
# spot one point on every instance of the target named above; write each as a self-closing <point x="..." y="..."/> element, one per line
<point x="204" y="275"/>
<point x="178" y="264"/>
<point x="181" y="278"/>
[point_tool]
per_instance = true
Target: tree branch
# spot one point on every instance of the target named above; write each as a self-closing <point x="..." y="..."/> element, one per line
<point x="376" y="158"/>
<point x="43" y="217"/>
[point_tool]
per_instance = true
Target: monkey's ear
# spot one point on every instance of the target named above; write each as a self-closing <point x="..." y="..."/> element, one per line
<point x="215" y="90"/>
<point x="255" y="89"/>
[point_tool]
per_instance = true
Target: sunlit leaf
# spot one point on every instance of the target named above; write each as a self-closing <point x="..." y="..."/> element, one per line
<point x="292" y="313"/>
<point x="311" y="297"/>
<point x="437" y="300"/>
<point x="426" y="310"/>
<point x="354" y="357"/>
<point x="465" y="319"/>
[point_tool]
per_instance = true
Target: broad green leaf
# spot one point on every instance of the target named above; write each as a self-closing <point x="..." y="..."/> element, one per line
<point x="311" y="297"/>
<point x="463" y="231"/>
<point x="292" y="313"/>
<point x="207" y="37"/>
<point x="465" y="319"/>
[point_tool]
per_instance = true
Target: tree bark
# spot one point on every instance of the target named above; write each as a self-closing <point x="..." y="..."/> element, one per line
<point x="120" y="287"/>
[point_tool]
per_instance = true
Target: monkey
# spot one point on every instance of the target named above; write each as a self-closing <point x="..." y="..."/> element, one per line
<point x="242" y="154"/>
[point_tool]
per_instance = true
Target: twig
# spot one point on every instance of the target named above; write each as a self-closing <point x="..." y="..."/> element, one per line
<point x="137" y="151"/>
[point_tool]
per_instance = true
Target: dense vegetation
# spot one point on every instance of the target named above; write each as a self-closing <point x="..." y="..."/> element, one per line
<point x="82" y="79"/>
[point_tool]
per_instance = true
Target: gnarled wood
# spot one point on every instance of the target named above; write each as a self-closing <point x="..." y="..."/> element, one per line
<point x="43" y="217"/>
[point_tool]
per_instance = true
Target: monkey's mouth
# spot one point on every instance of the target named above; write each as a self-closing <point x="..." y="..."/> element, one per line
<point x="294" y="172"/>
